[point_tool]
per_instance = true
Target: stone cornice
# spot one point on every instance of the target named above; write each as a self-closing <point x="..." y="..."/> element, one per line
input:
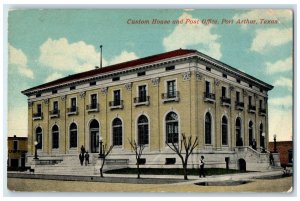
<point x="112" y="74"/>
<point x="220" y="66"/>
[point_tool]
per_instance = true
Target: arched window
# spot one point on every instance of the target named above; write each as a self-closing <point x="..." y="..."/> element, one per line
<point x="224" y="131"/>
<point x="208" y="128"/>
<point x="261" y="137"/>
<point x="55" y="137"/>
<point x="39" y="137"/>
<point x="117" y="132"/>
<point x="250" y="133"/>
<point x="143" y="130"/>
<point x="172" y="127"/>
<point x="94" y="136"/>
<point x="73" y="135"/>
<point x="238" y="132"/>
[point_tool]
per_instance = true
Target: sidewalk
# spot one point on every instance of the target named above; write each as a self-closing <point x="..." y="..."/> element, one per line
<point x="151" y="179"/>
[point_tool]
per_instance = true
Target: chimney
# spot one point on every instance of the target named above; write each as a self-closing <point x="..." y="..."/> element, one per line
<point x="101" y="56"/>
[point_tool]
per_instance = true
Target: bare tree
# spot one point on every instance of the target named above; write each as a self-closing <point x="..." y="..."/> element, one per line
<point x="103" y="156"/>
<point x="188" y="146"/>
<point x="138" y="149"/>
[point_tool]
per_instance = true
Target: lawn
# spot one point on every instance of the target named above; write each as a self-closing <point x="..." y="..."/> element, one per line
<point x="173" y="171"/>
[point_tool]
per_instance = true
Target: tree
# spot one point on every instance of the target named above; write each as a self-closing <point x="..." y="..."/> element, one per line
<point x="188" y="146"/>
<point x="103" y="157"/>
<point x="138" y="149"/>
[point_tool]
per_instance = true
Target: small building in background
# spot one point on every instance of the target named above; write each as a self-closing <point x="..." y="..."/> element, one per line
<point x="17" y="149"/>
<point x="285" y="149"/>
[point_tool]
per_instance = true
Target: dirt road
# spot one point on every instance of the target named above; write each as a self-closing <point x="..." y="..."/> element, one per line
<point x="258" y="185"/>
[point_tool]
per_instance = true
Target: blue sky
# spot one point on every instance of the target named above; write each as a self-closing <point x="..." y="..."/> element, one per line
<point x="44" y="45"/>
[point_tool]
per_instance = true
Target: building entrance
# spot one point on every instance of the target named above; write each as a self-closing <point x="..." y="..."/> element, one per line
<point x="94" y="136"/>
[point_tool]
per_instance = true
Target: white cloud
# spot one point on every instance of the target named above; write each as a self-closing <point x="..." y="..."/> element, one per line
<point x="268" y="38"/>
<point x="124" y="56"/>
<point x="284" y="102"/>
<point x="64" y="56"/>
<point x="18" y="59"/>
<point x="54" y="76"/>
<point x="284" y="82"/>
<point x="282" y="15"/>
<point x="75" y="57"/>
<point x="279" y="66"/>
<point x="281" y="124"/>
<point x="187" y="35"/>
<point x="17" y="121"/>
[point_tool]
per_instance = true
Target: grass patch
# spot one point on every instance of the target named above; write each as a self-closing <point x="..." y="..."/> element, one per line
<point x="173" y="171"/>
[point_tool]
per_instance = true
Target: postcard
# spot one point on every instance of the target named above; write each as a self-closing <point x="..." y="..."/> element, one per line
<point x="150" y="100"/>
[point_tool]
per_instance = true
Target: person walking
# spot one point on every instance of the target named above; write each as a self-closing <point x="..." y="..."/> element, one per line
<point x="201" y="166"/>
<point x="81" y="158"/>
<point x="271" y="158"/>
<point x="254" y="144"/>
<point x="87" y="158"/>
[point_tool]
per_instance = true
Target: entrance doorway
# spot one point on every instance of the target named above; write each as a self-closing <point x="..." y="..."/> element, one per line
<point x="94" y="136"/>
<point x="242" y="165"/>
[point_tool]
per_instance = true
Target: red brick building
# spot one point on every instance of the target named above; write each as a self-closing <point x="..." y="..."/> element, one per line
<point x="285" y="148"/>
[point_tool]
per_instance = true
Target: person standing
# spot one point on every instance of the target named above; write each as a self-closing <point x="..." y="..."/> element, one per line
<point x="82" y="149"/>
<point x="87" y="158"/>
<point x="201" y="166"/>
<point x="81" y="158"/>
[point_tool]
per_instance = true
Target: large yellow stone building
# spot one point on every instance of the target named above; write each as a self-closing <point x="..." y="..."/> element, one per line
<point x="153" y="100"/>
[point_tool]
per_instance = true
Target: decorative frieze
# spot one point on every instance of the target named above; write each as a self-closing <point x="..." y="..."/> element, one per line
<point x="30" y="103"/>
<point x="63" y="98"/>
<point x="155" y="81"/>
<point x="82" y="94"/>
<point x="104" y="90"/>
<point x="186" y="75"/>
<point x="46" y="101"/>
<point x="198" y="75"/>
<point x="217" y="82"/>
<point x="128" y="86"/>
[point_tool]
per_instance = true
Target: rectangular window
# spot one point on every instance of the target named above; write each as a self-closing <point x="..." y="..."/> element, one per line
<point x="207" y="87"/>
<point x="250" y="100"/>
<point x="72" y="87"/>
<point x="260" y="104"/>
<point x="55" y="106"/>
<point x="54" y="91"/>
<point x="117" y="97"/>
<point x="115" y="78"/>
<point x="142" y="93"/>
<point x="224" y="92"/>
<point x="39" y="108"/>
<point x="170" y="68"/>
<point x="171" y="89"/>
<point x="93" y="83"/>
<point x="141" y="73"/>
<point x="15" y="145"/>
<point x="73" y="105"/>
<point x="94" y="101"/>
<point x="250" y="85"/>
<point x="38" y="95"/>
<point x="224" y="75"/>
<point x="208" y="68"/>
<point x="238" y="80"/>
<point x="237" y="96"/>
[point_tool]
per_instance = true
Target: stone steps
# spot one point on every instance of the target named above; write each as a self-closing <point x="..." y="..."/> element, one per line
<point x="71" y="166"/>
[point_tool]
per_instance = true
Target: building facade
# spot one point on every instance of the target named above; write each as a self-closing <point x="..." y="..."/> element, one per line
<point x="152" y="100"/>
<point x="285" y="149"/>
<point x="17" y="149"/>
